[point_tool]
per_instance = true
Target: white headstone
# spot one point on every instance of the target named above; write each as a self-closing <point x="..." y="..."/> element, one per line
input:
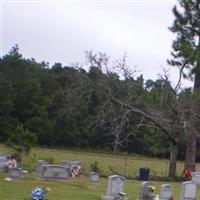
<point x="166" y="192"/>
<point x="188" y="191"/>
<point x="94" y="177"/>
<point x="196" y="178"/>
<point x="115" y="185"/>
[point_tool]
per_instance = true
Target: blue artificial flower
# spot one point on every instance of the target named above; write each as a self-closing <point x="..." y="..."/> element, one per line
<point x="38" y="194"/>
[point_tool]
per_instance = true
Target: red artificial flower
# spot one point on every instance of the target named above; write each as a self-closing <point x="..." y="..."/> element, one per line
<point x="187" y="174"/>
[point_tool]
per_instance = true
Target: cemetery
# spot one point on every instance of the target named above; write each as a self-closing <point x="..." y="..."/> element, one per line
<point x="100" y="128"/>
<point x="84" y="184"/>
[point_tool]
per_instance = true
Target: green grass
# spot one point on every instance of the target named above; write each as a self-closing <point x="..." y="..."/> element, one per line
<point x="72" y="189"/>
<point x="80" y="188"/>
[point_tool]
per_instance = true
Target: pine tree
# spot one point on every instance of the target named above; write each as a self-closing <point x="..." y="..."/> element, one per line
<point x="186" y="55"/>
<point x="186" y="46"/>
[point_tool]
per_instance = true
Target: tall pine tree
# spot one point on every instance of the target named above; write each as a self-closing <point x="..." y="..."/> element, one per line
<point x="186" y="55"/>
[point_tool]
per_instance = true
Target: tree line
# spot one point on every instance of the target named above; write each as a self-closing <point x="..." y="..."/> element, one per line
<point x="62" y="106"/>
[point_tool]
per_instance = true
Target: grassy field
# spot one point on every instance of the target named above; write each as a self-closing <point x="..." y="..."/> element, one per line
<point x="72" y="189"/>
<point x="80" y="188"/>
<point x="126" y="165"/>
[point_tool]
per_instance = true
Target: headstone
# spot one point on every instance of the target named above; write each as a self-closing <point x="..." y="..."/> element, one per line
<point x="94" y="177"/>
<point x="188" y="191"/>
<point x="54" y="172"/>
<point x="3" y="163"/>
<point x="196" y="178"/>
<point x="166" y="192"/>
<point x="115" y="186"/>
<point x="39" y="165"/>
<point x="145" y="194"/>
<point x="15" y="173"/>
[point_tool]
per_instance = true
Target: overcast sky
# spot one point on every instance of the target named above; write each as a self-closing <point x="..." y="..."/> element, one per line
<point x="61" y="31"/>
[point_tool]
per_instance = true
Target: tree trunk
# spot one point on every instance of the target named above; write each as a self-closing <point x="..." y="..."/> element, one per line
<point x="190" y="155"/>
<point x="197" y="81"/>
<point x="173" y="159"/>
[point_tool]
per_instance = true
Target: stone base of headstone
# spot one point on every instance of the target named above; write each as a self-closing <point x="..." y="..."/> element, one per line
<point x="105" y="197"/>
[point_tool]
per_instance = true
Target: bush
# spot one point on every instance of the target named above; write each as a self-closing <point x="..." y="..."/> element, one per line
<point x="50" y="160"/>
<point x="94" y="167"/>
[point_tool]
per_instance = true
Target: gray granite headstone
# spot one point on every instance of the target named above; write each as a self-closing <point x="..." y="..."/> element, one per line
<point x="54" y="172"/>
<point x="40" y="163"/>
<point x="145" y="194"/>
<point x="166" y="192"/>
<point x="196" y="178"/>
<point x="115" y="186"/>
<point x="188" y="191"/>
<point x="15" y="173"/>
<point x="3" y="163"/>
<point x="94" y="177"/>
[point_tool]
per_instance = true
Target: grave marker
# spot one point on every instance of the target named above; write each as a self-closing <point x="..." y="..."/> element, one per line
<point x="54" y="172"/>
<point x="188" y="191"/>
<point x="15" y="173"/>
<point x="166" y="192"/>
<point x="115" y="187"/>
<point x="145" y="194"/>
<point x="196" y="178"/>
<point x="3" y="163"/>
<point x="94" y="177"/>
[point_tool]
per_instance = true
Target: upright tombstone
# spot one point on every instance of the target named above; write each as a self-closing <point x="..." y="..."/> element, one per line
<point x="145" y="194"/>
<point x="15" y="173"/>
<point x="196" y="178"/>
<point x="115" y="187"/>
<point x="94" y="177"/>
<point x="54" y="172"/>
<point x="188" y="191"/>
<point x="166" y="192"/>
<point x="3" y="163"/>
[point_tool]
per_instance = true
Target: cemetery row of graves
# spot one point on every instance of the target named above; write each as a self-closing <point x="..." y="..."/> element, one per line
<point x="114" y="187"/>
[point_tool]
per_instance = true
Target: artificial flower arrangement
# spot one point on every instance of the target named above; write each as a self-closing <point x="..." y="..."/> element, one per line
<point x="12" y="163"/>
<point x="39" y="193"/>
<point x="121" y="196"/>
<point x="187" y="174"/>
<point x="76" y="170"/>
<point x="156" y="197"/>
<point x="152" y="189"/>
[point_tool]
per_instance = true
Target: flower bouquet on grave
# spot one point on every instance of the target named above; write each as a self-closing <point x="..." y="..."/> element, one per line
<point x="12" y="163"/>
<point x="76" y="171"/>
<point x="152" y="189"/>
<point x="187" y="174"/>
<point x="121" y="196"/>
<point x="39" y="193"/>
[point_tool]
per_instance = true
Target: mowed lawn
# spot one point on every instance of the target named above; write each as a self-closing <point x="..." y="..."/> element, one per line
<point x="72" y="189"/>
<point x="80" y="188"/>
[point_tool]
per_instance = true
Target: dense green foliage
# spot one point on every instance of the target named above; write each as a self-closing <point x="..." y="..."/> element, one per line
<point x="65" y="106"/>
